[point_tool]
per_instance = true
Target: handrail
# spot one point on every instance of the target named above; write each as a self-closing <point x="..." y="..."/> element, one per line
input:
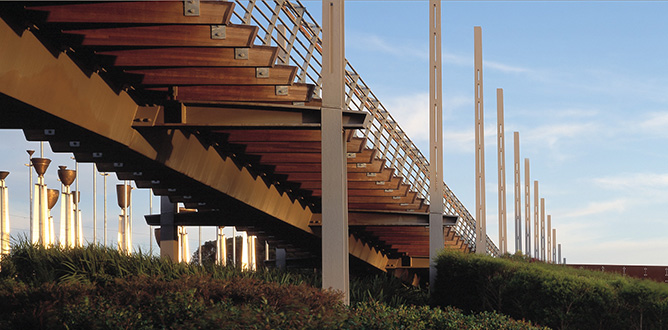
<point x="289" y="26"/>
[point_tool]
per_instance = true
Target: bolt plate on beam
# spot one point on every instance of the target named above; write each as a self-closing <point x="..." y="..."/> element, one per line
<point x="351" y="155"/>
<point x="218" y="31"/>
<point x="261" y="72"/>
<point x="281" y="90"/>
<point x="360" y="165"/>
<point x="241" y="53"/>
<point x="371" y="174"/>
<point x="191" y="8"/>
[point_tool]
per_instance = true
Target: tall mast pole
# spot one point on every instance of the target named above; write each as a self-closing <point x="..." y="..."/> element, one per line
<point x="501" y="147"/>
<point x="517" y="194"/>
<point x="481" y="222"/>
<point x="527" y="208"/>
<point x="436" y="209"/>
<point x="335" y="265"/>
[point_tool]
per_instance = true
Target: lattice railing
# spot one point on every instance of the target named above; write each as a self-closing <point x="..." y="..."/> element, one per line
<point x="289" y="26"/>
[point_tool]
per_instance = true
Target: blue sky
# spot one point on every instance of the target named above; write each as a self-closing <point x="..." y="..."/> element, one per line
<point x="585" y="84"/>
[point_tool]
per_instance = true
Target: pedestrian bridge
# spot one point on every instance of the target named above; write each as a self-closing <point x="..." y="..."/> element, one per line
<point x="216" y="105"/>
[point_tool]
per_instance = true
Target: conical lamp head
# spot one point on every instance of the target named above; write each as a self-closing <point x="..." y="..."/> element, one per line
<point x="3" y="174"/>
<point x="52" y="197"/>
<point x="40" y="164"/>
<point x="30" y="152"/>
<point x="123" y="191"/>
<point x="66" y="176"/>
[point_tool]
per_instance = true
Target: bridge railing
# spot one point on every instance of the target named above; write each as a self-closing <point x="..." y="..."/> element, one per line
<point x="290" y="27"/>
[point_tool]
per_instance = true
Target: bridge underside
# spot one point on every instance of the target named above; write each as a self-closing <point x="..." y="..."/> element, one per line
<point x="160" y="98"/>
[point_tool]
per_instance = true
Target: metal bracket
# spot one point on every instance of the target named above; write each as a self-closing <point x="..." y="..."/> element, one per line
<point x="191" y="8"/>
<point x="360" y="165"/>
<point x="75" y="144"/>
<point x="351" y="155"/>
<point x="281" y="90"/>
<point x="97" y="155"/>
<point x="241" y="53"/>
<point x="218" y="31"/>
<point x="261" y="72"/>
<point x="371" y="174"/>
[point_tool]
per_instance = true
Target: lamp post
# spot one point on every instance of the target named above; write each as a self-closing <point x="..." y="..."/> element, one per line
<point x="94" y="203"/>
<point x="52" y="199"/>
<point x="105" y="175"/>
<point x="123" y="192"/>
<point x="39" y="221"/>
<point x="67" y="227"/>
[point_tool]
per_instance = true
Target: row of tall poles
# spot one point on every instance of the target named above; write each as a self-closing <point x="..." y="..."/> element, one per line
<point x="545" y="245"/>
<point x="42" y="201"/>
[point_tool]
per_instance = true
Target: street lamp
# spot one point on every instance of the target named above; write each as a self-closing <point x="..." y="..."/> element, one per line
<point x="105" y="175"/>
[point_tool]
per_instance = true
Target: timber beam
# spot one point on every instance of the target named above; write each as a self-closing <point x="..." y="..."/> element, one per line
<point x="54" y="84"/>
<point x="228" y="116"/>
<point x="379" y="218"/>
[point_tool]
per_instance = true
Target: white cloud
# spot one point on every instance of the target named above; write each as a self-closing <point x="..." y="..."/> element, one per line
<point x="617" y="205"/>
<point x="627" y="181"/>
<point x="655" y="124"/>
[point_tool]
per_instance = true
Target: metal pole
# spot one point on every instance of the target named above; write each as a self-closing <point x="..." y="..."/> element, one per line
<point x="527" y="208"/>
<point x="105" y="207"/>
<point x="554" y="246"/>
<point x="4" y="215"/>
<point x="150" y="228"/>
<point x="517" y="194"/>
<point x="549" y="238"/>
<point x="30" y="184"/>
<point x="199" y="242"/>
<point x="94" y="203"/>
<point x="536" y="228"/>
<point x="501" y="147"/>
<point x="335" y="267"/>
<point x="436" y="209"/>
<point x="481" y="222"/>
<point x="559" y="253"/>
<point x="542" y="229"/>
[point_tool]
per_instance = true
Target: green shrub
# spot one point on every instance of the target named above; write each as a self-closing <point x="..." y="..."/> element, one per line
<point x="556" y="296"/>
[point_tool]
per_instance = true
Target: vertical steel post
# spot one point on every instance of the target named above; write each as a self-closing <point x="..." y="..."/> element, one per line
<point x="549" y="239"/>
<point x="501" y="148"/>
<point x="150" y="228"/>
<point x="4" y="215"/>
<point x="536" y="228"/>
<point x="554" y="246"/>
<point x="542" y="229"/>
<point x="527" y="208"/>
<point x="30" y="185"/>
<point x="436" y="238"/>
<point x="95" y="204"/>
<point x="481" y="222"/>
<point x="559" y="254"/>
<point x="335" y="268"/>
<point x="517" y="194"/>
<point x="105" y="207"/>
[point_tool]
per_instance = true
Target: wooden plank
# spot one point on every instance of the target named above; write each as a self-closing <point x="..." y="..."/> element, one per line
<point x="374" y="166"/>
<point x="293" y="146"/>
<point x="387" y="207"/>
<point x="264" y="56"/>
<point x="166" y="35"/>
<point x="278" y="75"/>
<point x="256" y="135"/>
<point x="237" y="93"/>
<point x="380" y="199"/>
<point x="392" y="184"/>
<point x="153" y="12"/>
<point x="317" y="176"/>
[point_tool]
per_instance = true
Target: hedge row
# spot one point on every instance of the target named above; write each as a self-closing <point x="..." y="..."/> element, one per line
<point x="551" y="295"/>
<point x="98" y="288"/>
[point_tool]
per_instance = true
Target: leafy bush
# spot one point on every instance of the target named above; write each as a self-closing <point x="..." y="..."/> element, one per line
<point x="99" y="288"/>
<point x="556" y="296"/>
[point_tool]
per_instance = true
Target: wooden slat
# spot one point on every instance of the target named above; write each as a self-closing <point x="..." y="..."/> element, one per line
<point x="240" y="136"/>
<point x="374" y="166"/>
<point x="166" y="35"/>
<point x="192" y="56"/>
<point x="317" y="176"/>
<point x="380" y="199"/>
<point x="154" y="12"/>
<point x="296" y="93"/>
<point x="393" y="184"/>
<point x="278" y="75"/>
<point x="416" y="207"/>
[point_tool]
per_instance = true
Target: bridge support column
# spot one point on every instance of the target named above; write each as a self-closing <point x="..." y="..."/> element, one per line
<point x="335" y="268"/>
<point x="436" y="238"/>
<point x="169" y="242"/>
